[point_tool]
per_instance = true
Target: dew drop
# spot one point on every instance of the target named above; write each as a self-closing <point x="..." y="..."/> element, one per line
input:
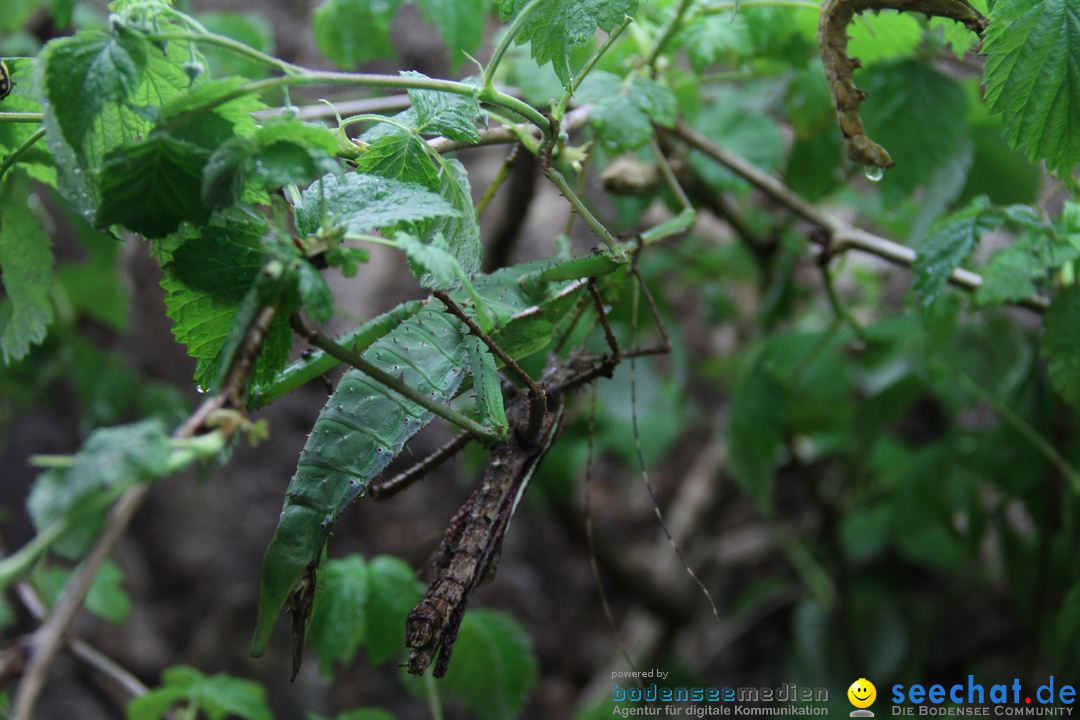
<point x="874" y="173"/>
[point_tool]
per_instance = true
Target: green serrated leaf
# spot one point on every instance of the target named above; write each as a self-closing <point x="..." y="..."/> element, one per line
<point x="86" y="72"/>
<point x="1033" y="78"/>
<point x="219" y="696"/>
<point x="351" y="32"/>
<point x="460" y="22"/>
<point x="153" y="186"/>
<point x="494" y="667"/>
<point x="555" y="27"/>
<point x="442" y="113"/>
<point x="207" y="281"/>
<point x="623" y="110"/>
<point x="756" y="430"/>
<point x="338" y="618"/>
<point x="392" y="591"/>
<point x="400" y="156"/>
<point x="1008" y="276"/>
<point x="948" y="244"/>
<point x="1060" y="344"/>
<point x="907" y="101"/>
<point x="432" y="262"/>
<point x="26" y="261"/>
<point x="37" y="162"/>
<point x="716" y="37"/>
<point x="361" y="203"/>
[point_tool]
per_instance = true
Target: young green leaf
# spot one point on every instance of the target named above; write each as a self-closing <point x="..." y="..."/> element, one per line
<point x="442" y="113"/>
<point x="361" y="203"/>
<point x="1033" y="78"/>
<point x="26" y="261"/>
<point x="337" y="620"/>
<point x="556" y="27"/>
<point x="1061" y="344"/>
<point x="218" y="696"/>
<point x="351" y="32"/>
<point x="432" y="262"/>
<point x="494" y="668"/>
<point x="1009" y="276"/>
<point x="716" y="37"/>
<point x="950" y="241"/>
<point x="623" y="110"/>
<point x="401" y="156"/>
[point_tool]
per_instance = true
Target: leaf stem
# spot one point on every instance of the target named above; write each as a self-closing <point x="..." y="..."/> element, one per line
<point x="20" y="151"/>
<point x="21" y="117"/>
<point x="560" y="107"/>
<point x="229" y="44"/>
<point x="504" y="43"/>
<point x="669" y="30"/>
<point x="431" y="689"/>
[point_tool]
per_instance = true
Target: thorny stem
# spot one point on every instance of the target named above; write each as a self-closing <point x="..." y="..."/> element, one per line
<point x="560" y="107"/>
<point x="497" y="182"/>
<point x="505" y="42"/>
<point x="669" y="174"/>
<point x="21" y="117"/>
<point x="669" y="30"/>
<point x="357" y="361"/>
<point x="576" y="202"/>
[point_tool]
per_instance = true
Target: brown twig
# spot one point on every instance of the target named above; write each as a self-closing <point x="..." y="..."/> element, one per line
<point x="404" y="479"/>
<point x="838" y="235"/>
<point x="50" y="636"/>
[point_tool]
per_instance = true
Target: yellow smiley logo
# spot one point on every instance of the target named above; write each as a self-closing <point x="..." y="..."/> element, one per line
<point x="862" y="693"/>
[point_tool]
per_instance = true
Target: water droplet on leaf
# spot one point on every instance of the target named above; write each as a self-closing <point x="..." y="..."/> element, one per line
<point x="874" y="173"/>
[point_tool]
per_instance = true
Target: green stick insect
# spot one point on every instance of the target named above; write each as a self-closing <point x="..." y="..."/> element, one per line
<point x="407" y="366"/>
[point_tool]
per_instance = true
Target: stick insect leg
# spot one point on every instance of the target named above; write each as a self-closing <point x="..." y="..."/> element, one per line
<point x="609" y="336"/>
<point x="664" y="347"/>
<point x="537" y="396"/>
<point x="404" y="479"/>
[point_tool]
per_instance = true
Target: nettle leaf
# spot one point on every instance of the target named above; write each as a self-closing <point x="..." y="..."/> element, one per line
<point x="400" y="156"/>
<point x="351" y="32"/>
<point x="219" y="696"/>
<point x="208" y="281"/>
<point x="624" y="109"/>
<point x="106" y="598"/>
<point x="716" y="37"/>
<point x="1033" y="78"/>
<point x="361" y="203"/>
<point x="1061" y="344"/>
<point x="26" y="264"/>
<point x="948" y="244"/>
<point x="752" y="134"/>
<point x="460" y="22"/>
<point x="116" y="456"/>
<point x="87" y="71"/>
<point x="1009" y="275"/>
<point x="555" y="27"/>
<point x="755" y="430"/>
<point x="494" y="667"/>
<point x="338" y="618"/>
<point x="443" y="113"/>
<point x="907" y="101"/>
<point x="392" y="591"/>
<point x="151" y="187"/>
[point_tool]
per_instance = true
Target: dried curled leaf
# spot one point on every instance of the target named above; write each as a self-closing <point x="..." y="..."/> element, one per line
<point x="836" y="15"/>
